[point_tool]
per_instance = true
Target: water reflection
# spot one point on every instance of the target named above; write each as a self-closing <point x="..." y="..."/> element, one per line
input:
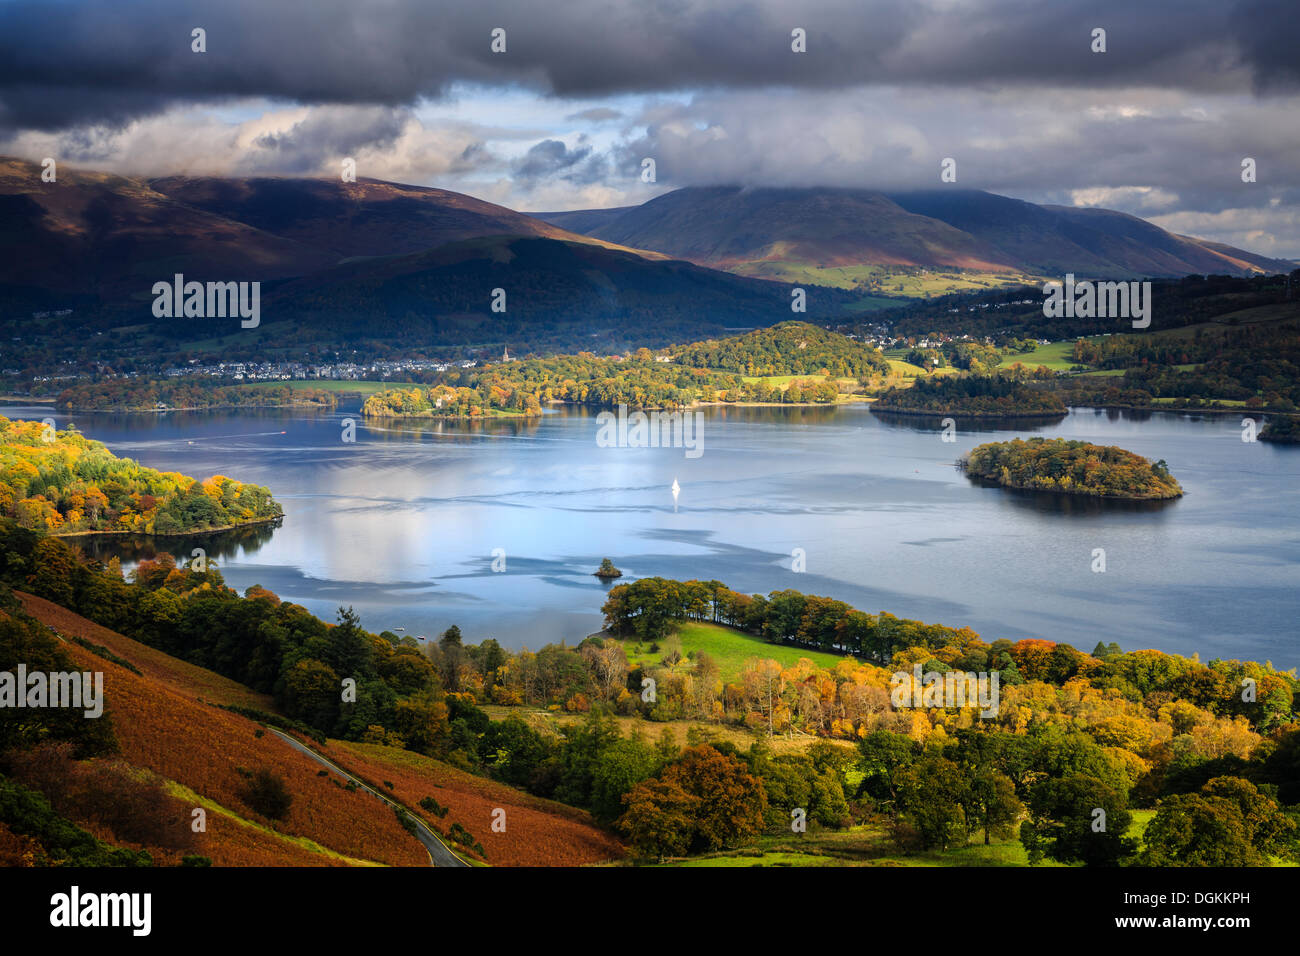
<point x="968" y="423"/>
<point x="464" y="430"/>
<point x="219" y="545"/>
<point x="1061" y="503"/>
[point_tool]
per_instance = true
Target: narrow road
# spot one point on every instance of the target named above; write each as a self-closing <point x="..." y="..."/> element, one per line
<point x="439" y="854"/>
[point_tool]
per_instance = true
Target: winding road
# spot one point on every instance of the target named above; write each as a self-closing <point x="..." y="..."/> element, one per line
<point x="439" y="854"/>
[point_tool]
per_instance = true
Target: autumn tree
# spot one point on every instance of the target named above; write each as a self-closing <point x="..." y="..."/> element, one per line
<point x="704" y="800"/>
<point x="659" y="818"/>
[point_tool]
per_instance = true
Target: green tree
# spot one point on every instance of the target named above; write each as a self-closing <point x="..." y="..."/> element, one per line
<point x="1229" y="823"/>
<point x="1064" y="823"/>
<point x="932" y="793"/>
<point x="623" y="765"/>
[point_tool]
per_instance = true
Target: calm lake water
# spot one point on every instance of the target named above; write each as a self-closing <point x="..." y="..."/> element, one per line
<point x="403" y="523"/>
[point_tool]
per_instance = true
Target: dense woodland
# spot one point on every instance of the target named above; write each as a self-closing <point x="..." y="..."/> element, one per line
<point x="972" y="395"/>
<point x="1073" y="731"/>
<point x="1018" y="312"/>
<point x="790" y="348"/>
<point x="1283" y="430"/>
<point x="1258" y="366"/>
<point x="147" y="395"/>
<point x="62" y="482"/>
<point x="1073" y="467"/>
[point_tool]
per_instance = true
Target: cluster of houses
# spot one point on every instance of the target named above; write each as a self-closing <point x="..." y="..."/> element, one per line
<point x="290" y="371"/>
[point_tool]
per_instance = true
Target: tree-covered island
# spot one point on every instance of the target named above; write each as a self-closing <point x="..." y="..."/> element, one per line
<point x="1071" y="467"/>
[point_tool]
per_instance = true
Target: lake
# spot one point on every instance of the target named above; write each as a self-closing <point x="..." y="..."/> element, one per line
<point x="407" y="523"/>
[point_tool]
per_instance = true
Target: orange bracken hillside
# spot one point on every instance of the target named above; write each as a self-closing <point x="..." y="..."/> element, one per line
<point x="538" y="832"/>
<point x="167" y="730"/>
<point x="177" y="675"/>
<point x="165" y="721"/>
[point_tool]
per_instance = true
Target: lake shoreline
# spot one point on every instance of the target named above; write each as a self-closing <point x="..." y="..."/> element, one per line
<point x="192" y="533"/>
<point x="923" y="413"/>
<point x="610" y="408"/>
<point x="120" y="410"/>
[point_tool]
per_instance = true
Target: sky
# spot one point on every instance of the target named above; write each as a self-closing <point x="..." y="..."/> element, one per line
<point x="1157" y="125"/>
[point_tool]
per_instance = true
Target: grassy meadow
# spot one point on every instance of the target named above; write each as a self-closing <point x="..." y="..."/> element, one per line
<point x="732" y="650"/>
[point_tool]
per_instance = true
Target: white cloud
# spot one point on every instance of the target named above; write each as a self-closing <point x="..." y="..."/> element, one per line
<point x="1111" y="197"/>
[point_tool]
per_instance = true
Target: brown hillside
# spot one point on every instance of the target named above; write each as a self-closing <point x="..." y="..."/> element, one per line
<point x="167" y="723"/>
<point x="538" y="832"/>
<point x="177" y="675"/>
<point x="167" y="730"/>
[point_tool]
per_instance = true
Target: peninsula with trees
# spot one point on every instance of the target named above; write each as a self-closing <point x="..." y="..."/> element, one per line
<point x="62" y="483"/>
<point x="793" y="363"/>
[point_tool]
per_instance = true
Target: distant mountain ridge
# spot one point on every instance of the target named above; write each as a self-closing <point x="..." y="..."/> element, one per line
<point x="738" y="229"/>
<point x="393" y="266"/>
<point x="103" y="234"/>
<point x="384" y="264"/>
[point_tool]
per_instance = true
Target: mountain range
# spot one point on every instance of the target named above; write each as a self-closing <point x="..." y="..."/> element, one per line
<point x="777" y="232"/>
<point x="379" y="262"/>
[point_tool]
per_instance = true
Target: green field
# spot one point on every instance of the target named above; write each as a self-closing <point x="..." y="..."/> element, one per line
<point x="873" y="303"/>
<point x="1055" y="355"/>
<point x="911" y="283"/>
<point x="783" y="381"/>
<point x="1226" y="402"/>
<point x="732" y="650"/>
<point x="1117" y="372"/>
<point x="906" y="369"/>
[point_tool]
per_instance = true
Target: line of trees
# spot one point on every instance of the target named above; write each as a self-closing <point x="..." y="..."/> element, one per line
<point x="971" y="395"/>
<point x="146" y="395"/>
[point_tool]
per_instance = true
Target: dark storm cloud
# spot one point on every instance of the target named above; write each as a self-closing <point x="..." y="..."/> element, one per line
<point x="552" y="159"/>
<point x="88" y="61"/>
<point x="599" y="114"/>
<point x="327" y="132"/>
